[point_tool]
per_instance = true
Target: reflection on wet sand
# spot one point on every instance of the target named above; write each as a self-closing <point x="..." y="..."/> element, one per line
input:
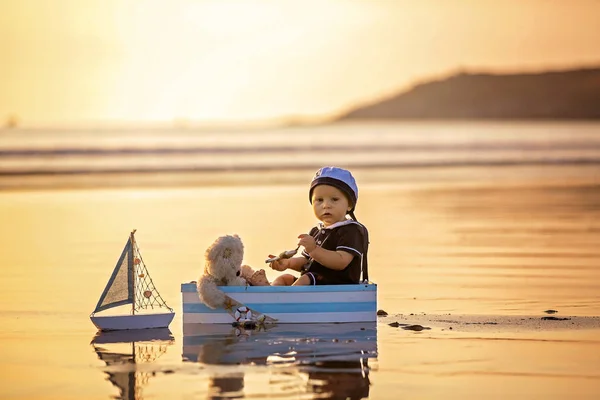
<point x="318" y="359"/>
<point x="340" y="380"/>
<point x="122" y="351"/>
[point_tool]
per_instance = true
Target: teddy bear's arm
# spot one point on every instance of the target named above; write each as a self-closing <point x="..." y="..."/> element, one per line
<point x="209" y="293"/>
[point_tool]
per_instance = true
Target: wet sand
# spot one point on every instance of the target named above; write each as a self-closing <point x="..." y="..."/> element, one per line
<point x="492" y="324"/>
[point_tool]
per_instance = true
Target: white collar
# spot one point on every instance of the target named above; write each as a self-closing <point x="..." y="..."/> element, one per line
<point x="336" y="225"/>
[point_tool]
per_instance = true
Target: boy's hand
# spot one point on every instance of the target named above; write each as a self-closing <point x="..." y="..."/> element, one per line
<point x="308" y="242"/>
<point x="279" y="265"/>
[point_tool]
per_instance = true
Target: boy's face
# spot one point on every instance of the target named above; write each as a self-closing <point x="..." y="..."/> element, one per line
<point x="329" y="204"/>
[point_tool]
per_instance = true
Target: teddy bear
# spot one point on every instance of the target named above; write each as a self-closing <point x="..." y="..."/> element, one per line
<point x="223" y="267"/>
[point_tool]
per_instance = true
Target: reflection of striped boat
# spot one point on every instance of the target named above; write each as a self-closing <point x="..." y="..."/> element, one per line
<point x="223" y="344"/>
<point x="288" y="304"/>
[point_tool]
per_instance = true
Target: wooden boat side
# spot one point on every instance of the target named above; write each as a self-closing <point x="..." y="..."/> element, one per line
<point x="289" y="304"/>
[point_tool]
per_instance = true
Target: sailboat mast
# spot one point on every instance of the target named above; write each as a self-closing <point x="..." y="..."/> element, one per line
<point x="132" y="239"/>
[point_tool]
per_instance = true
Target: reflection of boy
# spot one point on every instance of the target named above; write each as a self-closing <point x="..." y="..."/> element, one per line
<point x="340" y="380"/>
<point x="335" y="251"/>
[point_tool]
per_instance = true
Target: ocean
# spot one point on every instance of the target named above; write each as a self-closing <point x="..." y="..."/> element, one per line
<point x="74" y="157"/>
<point x="484" y="222"/>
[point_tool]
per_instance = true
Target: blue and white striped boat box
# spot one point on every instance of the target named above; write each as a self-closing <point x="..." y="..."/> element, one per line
<point x="289" y="304"/>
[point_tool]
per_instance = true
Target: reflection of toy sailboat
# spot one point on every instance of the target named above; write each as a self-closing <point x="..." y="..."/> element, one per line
<point x="122" y="351"/>
<point x="130" y="283"/>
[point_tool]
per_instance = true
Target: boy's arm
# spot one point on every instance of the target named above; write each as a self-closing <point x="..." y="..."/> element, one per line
<point x="332" y="259"/>
<point x="336" y="260"/>
<point x="295" y="263"/>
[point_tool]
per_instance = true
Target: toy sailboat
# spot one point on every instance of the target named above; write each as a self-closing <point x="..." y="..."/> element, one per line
<point x="130" y="283"/>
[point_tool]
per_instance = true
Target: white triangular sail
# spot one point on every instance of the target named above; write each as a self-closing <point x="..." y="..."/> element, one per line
<point x="120" y="288"/>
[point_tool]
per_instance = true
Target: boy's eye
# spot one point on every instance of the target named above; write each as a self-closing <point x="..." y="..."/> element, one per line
<point x="335" y="198"/>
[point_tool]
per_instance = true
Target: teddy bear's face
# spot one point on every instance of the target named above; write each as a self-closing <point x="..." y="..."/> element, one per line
<point x="224" y="259"/>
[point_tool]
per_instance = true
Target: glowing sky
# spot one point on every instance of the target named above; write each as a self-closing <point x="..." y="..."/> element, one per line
<point x="73" y="61"/>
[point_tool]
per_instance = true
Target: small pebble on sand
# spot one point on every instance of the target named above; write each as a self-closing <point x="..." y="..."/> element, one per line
<point x="416" y="328"/>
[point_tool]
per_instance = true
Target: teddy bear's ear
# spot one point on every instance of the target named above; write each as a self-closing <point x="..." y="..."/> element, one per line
<point x="235" y="235"/>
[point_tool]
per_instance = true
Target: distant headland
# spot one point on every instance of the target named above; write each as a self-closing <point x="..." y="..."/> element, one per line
<point x="571" y="94"/>
<point x="12" y="121"/>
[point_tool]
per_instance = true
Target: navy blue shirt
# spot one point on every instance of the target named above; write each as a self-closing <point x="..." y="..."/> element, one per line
<point x="345" y="236"/>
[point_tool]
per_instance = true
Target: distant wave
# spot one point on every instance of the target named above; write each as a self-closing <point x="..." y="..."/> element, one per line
<point x="298" y="166"/>
<point x="292" y="149"/>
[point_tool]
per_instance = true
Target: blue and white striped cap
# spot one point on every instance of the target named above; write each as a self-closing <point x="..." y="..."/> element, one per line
<point x="339" y="178"/>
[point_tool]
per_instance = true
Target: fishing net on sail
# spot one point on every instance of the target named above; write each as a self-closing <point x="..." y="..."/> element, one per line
<point x="146" y="295"/>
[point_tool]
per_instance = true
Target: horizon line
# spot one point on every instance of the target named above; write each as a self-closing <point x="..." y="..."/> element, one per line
<point x="13" y="120"/>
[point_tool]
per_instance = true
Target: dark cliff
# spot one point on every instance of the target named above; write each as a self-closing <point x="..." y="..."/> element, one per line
<point x="573" y="94"/>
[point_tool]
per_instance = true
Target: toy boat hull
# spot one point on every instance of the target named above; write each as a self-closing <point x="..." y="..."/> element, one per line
<point x="288" y="304"/>
<point x="138" y="321"/>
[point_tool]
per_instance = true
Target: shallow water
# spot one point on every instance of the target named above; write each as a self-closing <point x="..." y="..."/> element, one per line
<point x="459" y="249"/>
<point x="489" y="240"/>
